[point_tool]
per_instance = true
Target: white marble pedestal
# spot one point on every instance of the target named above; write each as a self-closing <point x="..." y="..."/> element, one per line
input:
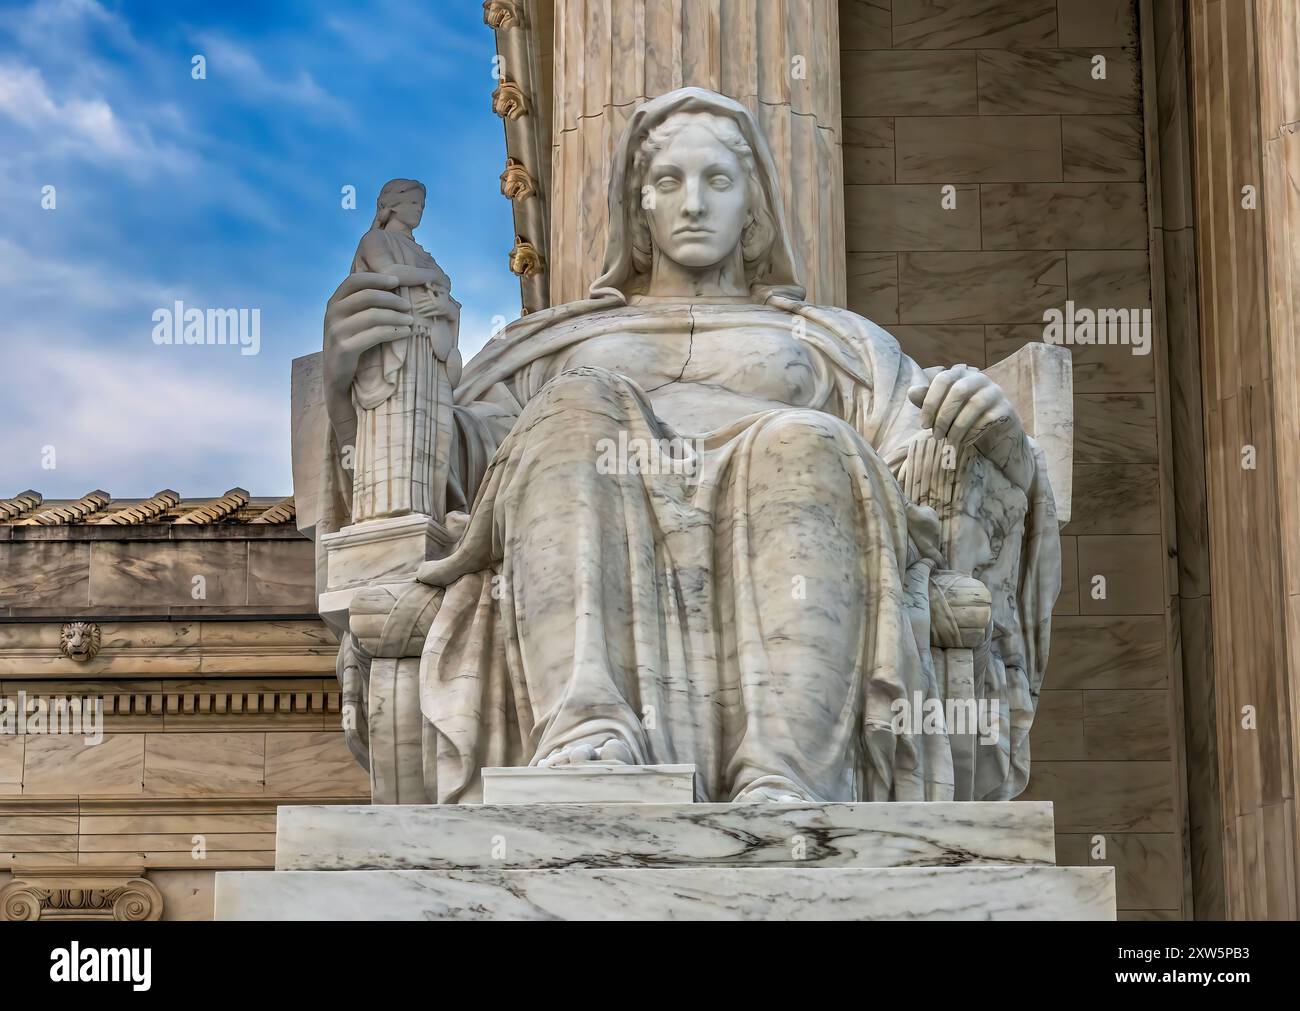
<point x="376" y="551"/>
<point x="676" y="860"/>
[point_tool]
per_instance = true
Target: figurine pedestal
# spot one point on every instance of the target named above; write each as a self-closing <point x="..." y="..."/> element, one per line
<point x="376" y="551"/>
<point x="598" y="860"/>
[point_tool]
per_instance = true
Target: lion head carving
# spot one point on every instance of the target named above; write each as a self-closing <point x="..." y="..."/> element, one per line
<point x="79" y="640"/>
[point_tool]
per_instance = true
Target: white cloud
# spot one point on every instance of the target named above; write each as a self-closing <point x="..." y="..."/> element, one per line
<point x="86" y="128"/>
<point x="132" y="423"/>
<point x="230" y="63"/>
<point x="92" y="286"/>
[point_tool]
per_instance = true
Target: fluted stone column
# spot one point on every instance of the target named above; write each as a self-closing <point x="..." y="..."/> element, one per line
<point x="778" y="57"/>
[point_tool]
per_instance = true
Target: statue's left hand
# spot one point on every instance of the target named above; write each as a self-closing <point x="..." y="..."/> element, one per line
<point x="964" y="406"/>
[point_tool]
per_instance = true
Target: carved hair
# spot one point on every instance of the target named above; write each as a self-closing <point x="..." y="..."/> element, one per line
<point x="760" y="230"/>
<point x="389" y="197"/>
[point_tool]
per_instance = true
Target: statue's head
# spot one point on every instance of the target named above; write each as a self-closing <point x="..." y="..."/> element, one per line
<point x="401" y="200"/>
<point x="701" y="196"/>
<point x="693" y="181"/>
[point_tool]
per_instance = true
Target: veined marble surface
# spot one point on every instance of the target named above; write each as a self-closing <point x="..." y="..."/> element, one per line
<point x="465" y="836"/>
<point x="717" y="893"/>
<point x="590" y="783"/>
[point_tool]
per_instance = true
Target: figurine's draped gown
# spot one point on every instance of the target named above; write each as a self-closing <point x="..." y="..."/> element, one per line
<point x="757" y="618"/>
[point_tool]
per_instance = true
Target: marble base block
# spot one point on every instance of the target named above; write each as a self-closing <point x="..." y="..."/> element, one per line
<point x="714" y="893"/>
<point x="590" y="783"/>
<point x="542" y="836"/>
<point x="380" y="551"/>
<point x="376" y="551"/>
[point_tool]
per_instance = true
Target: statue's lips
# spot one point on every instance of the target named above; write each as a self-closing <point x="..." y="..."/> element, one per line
<point x="696" y="233"/>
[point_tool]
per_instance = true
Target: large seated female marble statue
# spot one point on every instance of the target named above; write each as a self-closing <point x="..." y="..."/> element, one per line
<point x="758" y="603"/>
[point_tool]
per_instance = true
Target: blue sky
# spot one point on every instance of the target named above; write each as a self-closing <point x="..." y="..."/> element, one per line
<point x="224" y="192"/>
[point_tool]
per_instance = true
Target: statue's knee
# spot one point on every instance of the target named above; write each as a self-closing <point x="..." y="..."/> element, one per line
<point x="801" y="434"/>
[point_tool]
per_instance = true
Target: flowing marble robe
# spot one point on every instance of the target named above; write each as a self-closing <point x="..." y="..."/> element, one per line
<point x="660" y="608"/>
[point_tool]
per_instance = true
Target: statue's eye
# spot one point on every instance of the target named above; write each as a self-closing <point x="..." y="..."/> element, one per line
<point x="721" y="182"/>
<point x="667" y="184"/>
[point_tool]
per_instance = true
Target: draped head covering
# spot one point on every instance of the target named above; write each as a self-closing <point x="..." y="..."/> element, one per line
<point x="771" y="273"/>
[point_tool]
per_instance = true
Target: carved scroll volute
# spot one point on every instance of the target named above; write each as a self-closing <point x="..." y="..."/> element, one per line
<point x="98" y="895"/>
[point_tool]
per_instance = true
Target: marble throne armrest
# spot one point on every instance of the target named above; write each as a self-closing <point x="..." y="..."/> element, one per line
<point x="1039" y="381"/>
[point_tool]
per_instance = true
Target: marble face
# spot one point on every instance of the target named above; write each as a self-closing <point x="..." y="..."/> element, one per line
<point x="696" y="198"/>
<point x="407" y="208"/>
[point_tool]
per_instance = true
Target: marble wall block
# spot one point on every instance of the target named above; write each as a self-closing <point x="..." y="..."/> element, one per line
<point x="977" y="149"/>
<point x="11" y="765"/>
<point x="313" y="765"/>
<point x="44" y="573"/>
<point x="64" y="765"/>
<point x="1063" y="216"/>
<point x="137" y="570"/>
<point x="280" y="572"/>
<point x="865" y="24"/>
<point x="944" y="344"/>
<point x="1096" y="22"/>
<point x="1146" y="866"/>
<point x="1134" y="569"/>
<point x="1106" y="796"/>
<point x="883" y="218"/>
<point x="979" y="287"/>
<point x="868" y="150"/>
<point x="1091" y="651"/>
<point x="204" y="764"/>
<point x="1102" y="148"/>
<point x="1133" y="725"/>
<point x="1115" y="499"/>
<point x="921" y="83"/>
<point x="1114" y="277"/>
<point x="1115" y="428"/>
<point x="873" y="286"/>
<point x="973" y="24"/>
<point x="1057" y="734"/>
<point x="1062" y="82"/>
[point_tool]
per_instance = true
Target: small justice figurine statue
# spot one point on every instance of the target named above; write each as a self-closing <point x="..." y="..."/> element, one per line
<point x="403" y="388"/>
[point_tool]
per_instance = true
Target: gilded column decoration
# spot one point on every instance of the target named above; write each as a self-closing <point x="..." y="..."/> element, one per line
<point x="500" y="14"/>
<point x="508" y="100"/>
<point x="525" y="260"/>
<point x="516" y="183"/>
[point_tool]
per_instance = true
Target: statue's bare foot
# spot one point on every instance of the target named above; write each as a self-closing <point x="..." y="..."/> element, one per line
<point x="608" y="752"/>
<point x="771" y="790"/>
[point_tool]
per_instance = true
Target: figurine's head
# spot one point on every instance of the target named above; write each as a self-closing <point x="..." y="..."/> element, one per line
<point x="400" y="200"/>
<point x="700" y="193"/>
<point x="693" y="181"/>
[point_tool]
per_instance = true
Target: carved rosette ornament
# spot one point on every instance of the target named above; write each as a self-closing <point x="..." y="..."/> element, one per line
<point x="516" y="183"/>
<point x="111" y="895"/>
<point x="499" y="14"/>
<point x="508" y="100"/>
<point x="80" y="640"/>
<point x="525" y="260"/>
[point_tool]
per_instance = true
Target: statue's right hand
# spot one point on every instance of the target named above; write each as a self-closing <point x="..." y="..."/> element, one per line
<point x="363" y="312"/>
